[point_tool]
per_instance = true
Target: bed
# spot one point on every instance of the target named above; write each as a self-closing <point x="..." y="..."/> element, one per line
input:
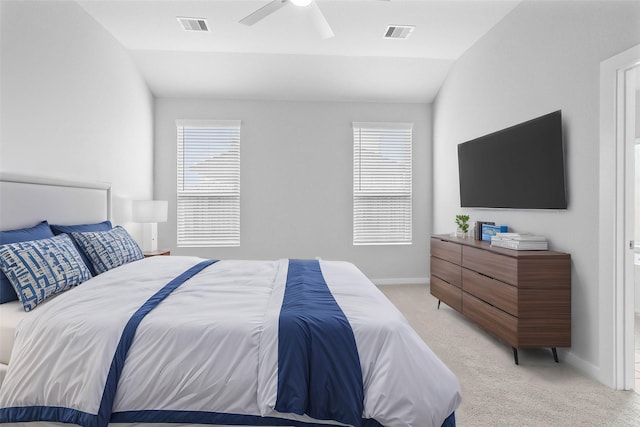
<point x="191" y="341"/>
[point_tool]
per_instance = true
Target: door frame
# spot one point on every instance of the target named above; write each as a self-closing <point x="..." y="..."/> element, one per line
<point x="616" y="290"/>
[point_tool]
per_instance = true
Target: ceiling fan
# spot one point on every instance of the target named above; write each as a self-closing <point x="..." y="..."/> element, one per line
<point x="319" y="20"/>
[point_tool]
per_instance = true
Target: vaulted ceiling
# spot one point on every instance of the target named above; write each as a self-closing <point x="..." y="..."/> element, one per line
<point x="284" y="56"/>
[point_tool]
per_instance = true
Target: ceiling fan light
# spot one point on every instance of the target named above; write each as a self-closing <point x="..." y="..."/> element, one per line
<point x="301" y="3"/>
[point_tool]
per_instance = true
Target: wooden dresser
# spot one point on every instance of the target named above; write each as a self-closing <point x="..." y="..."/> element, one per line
<point x="521" y="297"/>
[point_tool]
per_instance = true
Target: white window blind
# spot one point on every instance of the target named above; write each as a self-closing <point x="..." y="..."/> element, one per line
<point x="382" y="183"/>
<point x="208" y="182"/>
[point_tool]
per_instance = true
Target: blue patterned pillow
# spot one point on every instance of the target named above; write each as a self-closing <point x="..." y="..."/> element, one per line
<point x="79" y="228"/>
<point x="40" y="231"/>
<point x="108" y="249"/>
<point x="39" y="269"/>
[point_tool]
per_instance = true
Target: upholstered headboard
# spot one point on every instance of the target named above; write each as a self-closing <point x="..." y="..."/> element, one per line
<point x="26" y="200"/>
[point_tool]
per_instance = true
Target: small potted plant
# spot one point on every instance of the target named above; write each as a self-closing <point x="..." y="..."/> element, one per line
<point x="462" y="221"/>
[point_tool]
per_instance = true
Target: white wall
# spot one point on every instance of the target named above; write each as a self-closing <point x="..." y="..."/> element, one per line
<point x="296" y="180"/>
<point x="542" y="57"/>
<point x="73" y="105"/>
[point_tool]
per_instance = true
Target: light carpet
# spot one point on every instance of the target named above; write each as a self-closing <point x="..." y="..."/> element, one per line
<point x="495" y="391"/>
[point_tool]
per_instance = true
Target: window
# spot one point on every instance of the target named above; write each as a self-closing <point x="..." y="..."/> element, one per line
<point x="382" y="183"/>
<point x="208" y="183"/>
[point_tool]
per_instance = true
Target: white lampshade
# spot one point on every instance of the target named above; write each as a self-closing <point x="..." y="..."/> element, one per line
<point x="301" y="3"/>
<point x="149" y="211"/>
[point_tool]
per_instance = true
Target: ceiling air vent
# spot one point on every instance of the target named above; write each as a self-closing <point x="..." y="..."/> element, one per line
<point x="193" y="24"/>
<point x="398" y="31"/>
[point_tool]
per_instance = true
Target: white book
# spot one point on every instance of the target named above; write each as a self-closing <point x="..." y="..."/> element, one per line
<point x="520" y="245"/>
<point x="520" y="237"/>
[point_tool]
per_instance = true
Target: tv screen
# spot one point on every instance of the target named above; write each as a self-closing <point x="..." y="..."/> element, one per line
<point x="521" y="167"/>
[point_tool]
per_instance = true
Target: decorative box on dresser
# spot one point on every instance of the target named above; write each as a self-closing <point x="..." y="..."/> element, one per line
<point x="521" y="297"/>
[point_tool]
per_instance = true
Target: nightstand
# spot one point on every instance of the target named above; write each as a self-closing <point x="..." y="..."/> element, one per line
<point x="160" y="252"/>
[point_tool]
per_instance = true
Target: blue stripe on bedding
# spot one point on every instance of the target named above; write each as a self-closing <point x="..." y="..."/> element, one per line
<point x="202" y="417"/>
<point x="117" y="364"/>
<point x="71" y="416"/>
<point x="319" y="371"/>
<point x="220" y="418"/>
<point x="450" y="421"/>
<point x="46" y="413"/>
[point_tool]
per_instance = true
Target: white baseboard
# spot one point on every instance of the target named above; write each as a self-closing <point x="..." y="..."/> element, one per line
<point x="402" y="281"/>
<point x="585" y="367"/>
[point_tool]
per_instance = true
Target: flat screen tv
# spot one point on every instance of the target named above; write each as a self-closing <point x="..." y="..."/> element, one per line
<point x="521" y="167"/>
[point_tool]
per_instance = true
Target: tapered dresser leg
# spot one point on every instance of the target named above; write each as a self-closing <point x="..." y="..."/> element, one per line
<point x="438" y="304"/>
<point x="515" y="355"/>
<point x="555" y="354"/>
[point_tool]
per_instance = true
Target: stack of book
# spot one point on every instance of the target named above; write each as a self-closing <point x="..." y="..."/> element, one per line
<point x="520" y="241"/>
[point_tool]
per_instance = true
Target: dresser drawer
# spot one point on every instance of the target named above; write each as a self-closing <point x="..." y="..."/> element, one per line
<point x="494" y="320"/>
<point x="501" y="267"/>
<point x="446" y="271"/>
<point x="448" y="251"/>
<point x="449" y="294"/>
<point x="496" y="293"/>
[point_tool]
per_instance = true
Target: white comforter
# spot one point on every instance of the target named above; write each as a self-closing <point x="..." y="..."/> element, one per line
<point x="212" y="345"/>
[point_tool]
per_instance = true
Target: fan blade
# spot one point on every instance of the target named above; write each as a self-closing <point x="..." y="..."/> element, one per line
<point x="263" y="12"/>
<point x="320" y="22"/>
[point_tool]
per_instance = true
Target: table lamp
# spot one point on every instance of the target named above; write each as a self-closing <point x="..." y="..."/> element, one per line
<point x="149" y="213"/>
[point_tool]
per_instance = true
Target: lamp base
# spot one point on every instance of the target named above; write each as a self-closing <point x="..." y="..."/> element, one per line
<point x="150" y="237"/>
